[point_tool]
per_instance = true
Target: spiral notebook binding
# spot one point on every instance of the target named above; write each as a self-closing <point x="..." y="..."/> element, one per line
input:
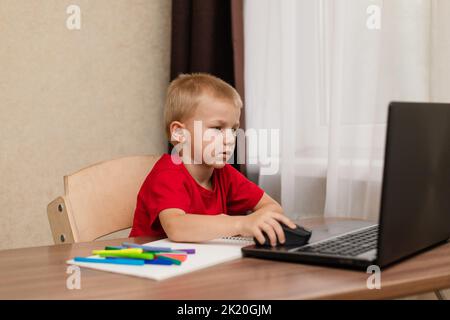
<point x="240" y="239"/>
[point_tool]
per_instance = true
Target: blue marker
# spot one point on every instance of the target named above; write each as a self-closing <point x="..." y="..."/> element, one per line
<point x="151" y="261"/>
<point x="136" y="262"/>
<point x="159" y="261"/>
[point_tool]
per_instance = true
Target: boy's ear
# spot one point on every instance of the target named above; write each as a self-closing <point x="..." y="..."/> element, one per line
<point x="176" y="128"/>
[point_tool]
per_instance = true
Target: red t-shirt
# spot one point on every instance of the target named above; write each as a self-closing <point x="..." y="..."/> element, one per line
<point x="170" y="185"/>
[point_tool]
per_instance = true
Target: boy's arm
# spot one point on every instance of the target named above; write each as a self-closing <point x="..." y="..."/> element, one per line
<point x="182" y="227"/>
<point x="267" y="203"/>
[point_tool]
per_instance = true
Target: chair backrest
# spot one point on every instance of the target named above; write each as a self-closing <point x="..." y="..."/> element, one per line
<point x="99" y="199"/>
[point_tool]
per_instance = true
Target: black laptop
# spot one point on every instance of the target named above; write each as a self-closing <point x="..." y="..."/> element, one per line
<point x="415" y="200"/>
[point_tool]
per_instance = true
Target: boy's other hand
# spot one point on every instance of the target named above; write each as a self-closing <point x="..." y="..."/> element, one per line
<point x="267" y="221"/>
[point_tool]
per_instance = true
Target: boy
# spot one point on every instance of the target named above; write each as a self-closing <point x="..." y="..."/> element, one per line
<point x="193" y="195"/>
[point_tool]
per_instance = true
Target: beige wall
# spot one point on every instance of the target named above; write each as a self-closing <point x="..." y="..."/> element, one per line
<point x="72" y="98"/>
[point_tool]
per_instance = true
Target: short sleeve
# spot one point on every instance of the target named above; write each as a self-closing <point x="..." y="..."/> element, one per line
<point x="243" y="195"/>
<point x="166" y="190"/>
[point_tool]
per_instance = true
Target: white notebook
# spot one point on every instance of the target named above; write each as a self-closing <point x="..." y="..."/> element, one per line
<point x="207" y="254"/>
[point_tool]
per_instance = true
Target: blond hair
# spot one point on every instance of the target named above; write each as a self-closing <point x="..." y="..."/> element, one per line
<point x="185" y="92"/>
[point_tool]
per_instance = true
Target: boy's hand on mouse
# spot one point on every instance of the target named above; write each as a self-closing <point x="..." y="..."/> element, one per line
<point x="266" y="221"/>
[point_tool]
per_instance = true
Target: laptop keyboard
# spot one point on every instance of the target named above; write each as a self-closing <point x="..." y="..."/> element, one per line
<point x="351" y="244"/>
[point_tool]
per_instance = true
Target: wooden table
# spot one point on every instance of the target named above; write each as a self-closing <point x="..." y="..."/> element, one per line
<point x="40" y="273"/>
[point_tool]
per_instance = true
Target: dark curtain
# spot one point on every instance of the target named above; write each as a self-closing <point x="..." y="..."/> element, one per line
<point x="207" y="36"/>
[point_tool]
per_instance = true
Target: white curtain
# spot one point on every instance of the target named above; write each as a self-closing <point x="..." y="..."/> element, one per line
<point x="323" y="72"/>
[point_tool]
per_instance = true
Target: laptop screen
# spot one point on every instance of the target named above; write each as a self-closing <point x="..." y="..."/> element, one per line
<point x="415" y="204"/>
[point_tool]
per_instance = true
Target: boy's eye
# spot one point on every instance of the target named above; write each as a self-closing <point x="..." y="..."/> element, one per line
<point x="233" y="130"/>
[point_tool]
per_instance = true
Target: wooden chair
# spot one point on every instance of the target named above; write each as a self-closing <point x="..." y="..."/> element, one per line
<point x="98" y="200"/>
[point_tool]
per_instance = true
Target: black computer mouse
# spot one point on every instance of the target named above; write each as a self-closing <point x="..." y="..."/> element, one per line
<point x="294" y="237"/>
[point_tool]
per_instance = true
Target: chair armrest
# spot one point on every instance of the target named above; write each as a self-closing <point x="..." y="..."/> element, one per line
<point x="59" y="221"/>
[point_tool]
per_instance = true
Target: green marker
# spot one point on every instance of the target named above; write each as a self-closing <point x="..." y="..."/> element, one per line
<point x="133" y="255"/>
<point x="114" y="248"/>
<point x="117" y="251"/>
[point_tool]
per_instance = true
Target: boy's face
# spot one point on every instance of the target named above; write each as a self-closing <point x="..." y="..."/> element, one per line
<point x="212" y="130"/>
